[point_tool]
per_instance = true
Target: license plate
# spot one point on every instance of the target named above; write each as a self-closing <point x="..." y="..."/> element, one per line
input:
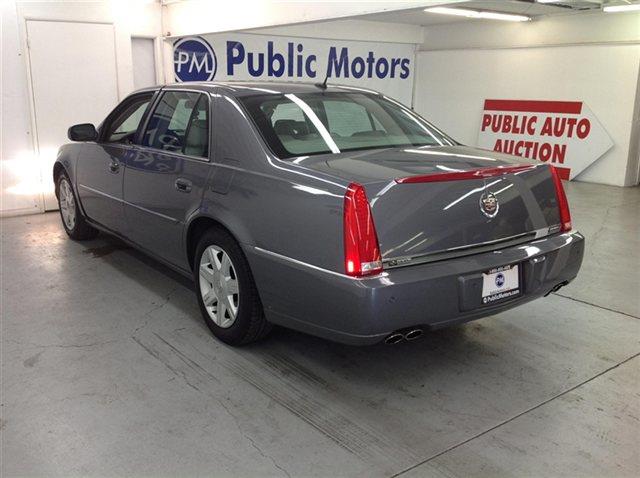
<point x="500" y="283"/>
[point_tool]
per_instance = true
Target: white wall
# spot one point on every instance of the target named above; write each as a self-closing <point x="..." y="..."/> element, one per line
<point x="19" y="170"/>
<point x="464" y="67"/>
<point x="21" y="184"/>
<point x="568" y="29"/>
<point x="190" y="17"/>
<point x="350" y="30"/>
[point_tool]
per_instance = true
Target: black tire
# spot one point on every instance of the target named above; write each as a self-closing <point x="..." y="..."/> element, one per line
<point x="79" y="229"/>
<point x="250" y="324"/>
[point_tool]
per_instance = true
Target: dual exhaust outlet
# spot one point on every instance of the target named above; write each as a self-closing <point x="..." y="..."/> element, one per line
<point x="401" y="336"/>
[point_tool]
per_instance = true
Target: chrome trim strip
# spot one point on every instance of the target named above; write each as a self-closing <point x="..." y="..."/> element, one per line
<point x="169" y="218"/>
<point x="487" y="243"/>
<point x="461" y="251"/>
<point x="99" y="192"/>
<point x="311" y="266"/>
<point x="150" y="150"/>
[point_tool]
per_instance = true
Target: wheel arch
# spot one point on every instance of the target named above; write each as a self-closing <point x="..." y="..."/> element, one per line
<point x="58" y="169"/>
<point x="66" y="163"/>
<point x="198" y="225"/>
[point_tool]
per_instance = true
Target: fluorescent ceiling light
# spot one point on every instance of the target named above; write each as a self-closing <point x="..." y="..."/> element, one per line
<point x="479" y="14"/>
<point x="635" y="7"/>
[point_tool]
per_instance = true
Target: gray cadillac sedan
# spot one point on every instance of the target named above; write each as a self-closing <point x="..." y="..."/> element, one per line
<point x="332" y="210"/>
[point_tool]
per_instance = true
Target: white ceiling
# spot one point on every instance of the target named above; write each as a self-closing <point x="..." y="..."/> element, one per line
<point x="418" y="16"/>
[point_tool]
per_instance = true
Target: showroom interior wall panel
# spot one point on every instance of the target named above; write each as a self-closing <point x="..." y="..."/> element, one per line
<point x="575" y="28"/>
<point x="60" y="99"/>
<point x="361" y="30"/>
<point x="22" y="185"/>
<point x="452" y="84"/>
<point x="143" y="52"/>
<point x="18" y="167"/>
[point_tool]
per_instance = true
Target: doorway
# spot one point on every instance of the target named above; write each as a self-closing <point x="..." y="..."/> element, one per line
<point x="73" y="76"/>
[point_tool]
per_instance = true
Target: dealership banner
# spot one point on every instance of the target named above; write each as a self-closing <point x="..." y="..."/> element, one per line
<point x="386" y="67"/>
<point x="564" y="133"/>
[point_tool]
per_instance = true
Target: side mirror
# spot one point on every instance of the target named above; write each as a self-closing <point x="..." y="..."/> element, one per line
<point x="82" y="132"/>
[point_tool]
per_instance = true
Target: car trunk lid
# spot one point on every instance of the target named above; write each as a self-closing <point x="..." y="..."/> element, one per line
<point x="450" y="200"/>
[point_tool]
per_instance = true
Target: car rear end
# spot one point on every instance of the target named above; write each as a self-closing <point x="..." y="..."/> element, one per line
<point x="422" y="254"/>
<point x="434" y="233"/>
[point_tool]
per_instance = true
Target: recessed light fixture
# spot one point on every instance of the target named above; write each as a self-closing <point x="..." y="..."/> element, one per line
<point x="629" y="7"/>
<point x="478" y="14"/>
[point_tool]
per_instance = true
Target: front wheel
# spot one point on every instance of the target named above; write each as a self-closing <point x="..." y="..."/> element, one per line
<point x="226" y="292"/>
<point x="72" y="219"/>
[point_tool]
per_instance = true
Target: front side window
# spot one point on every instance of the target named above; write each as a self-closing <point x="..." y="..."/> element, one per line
<point x="333" y="122"/>
<point x="124" y="125"/>
<point x="180" y="124"/>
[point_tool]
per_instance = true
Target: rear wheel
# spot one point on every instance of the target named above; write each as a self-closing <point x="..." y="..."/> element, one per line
<point x="72" y="219"/>
<point x="226" y="292"/>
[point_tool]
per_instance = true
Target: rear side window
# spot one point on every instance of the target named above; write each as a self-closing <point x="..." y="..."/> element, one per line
<point x="122" y="128"/>
<point x="180" y="124"/>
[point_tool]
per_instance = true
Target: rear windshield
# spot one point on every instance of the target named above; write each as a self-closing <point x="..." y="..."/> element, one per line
<point x="319" y="123"/>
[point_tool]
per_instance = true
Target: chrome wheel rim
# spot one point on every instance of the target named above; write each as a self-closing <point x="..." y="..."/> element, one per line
<point x="219" y="286"/>
<point x="67" y="204"/>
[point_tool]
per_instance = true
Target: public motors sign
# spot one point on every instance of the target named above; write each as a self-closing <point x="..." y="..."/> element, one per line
<point x="564" y="133"/>
<point x="386" y="67"/>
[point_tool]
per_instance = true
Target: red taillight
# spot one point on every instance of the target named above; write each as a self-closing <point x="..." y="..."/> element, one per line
<point x="563" y="204"/>
<point x="361" y="249"/>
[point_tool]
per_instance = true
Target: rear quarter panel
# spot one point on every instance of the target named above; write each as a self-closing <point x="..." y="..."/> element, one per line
<point x="271" y="204"/>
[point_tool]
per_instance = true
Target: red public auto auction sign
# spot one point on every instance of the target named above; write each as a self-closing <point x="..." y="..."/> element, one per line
<point x="564" y="133"/>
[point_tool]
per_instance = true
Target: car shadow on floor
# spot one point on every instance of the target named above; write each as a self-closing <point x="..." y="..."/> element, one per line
<point x="463" y="343"/>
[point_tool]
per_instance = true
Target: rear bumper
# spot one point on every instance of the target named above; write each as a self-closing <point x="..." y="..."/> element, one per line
<point x="439" y="294"/>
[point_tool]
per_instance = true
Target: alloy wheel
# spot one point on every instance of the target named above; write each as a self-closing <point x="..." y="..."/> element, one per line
<point x="219" y="286"/>
<point x="67" y="204"/>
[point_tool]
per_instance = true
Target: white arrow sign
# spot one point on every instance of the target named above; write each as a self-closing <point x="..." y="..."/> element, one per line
<point x="565" y="133"/>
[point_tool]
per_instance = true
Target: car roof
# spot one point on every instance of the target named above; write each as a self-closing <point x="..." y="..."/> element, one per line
<point x="250" y="88"/>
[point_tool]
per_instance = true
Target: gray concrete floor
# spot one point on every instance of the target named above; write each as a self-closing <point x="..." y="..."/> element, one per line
<point x="108" y="369"/>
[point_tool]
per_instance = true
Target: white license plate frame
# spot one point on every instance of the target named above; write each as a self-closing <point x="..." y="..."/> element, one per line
<point x="501" y="283"/>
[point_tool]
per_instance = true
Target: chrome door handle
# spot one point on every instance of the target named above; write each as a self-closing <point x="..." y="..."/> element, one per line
<point x="183" y="185"/>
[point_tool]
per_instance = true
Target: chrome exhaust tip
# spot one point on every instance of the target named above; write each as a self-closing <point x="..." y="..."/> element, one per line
<point x="394" y="339"/>
<point x="413" y="334"/>
<point x="557" y="287"/>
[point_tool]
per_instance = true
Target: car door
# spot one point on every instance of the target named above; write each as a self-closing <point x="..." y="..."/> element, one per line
<point x="164" y="181"/>
<point x="100" y="167"/>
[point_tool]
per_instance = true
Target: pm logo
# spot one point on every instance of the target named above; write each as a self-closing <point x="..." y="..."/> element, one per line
<point x="194" y="60"/>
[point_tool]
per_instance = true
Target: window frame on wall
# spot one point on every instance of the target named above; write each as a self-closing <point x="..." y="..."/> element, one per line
<point x="157" y="101"/>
